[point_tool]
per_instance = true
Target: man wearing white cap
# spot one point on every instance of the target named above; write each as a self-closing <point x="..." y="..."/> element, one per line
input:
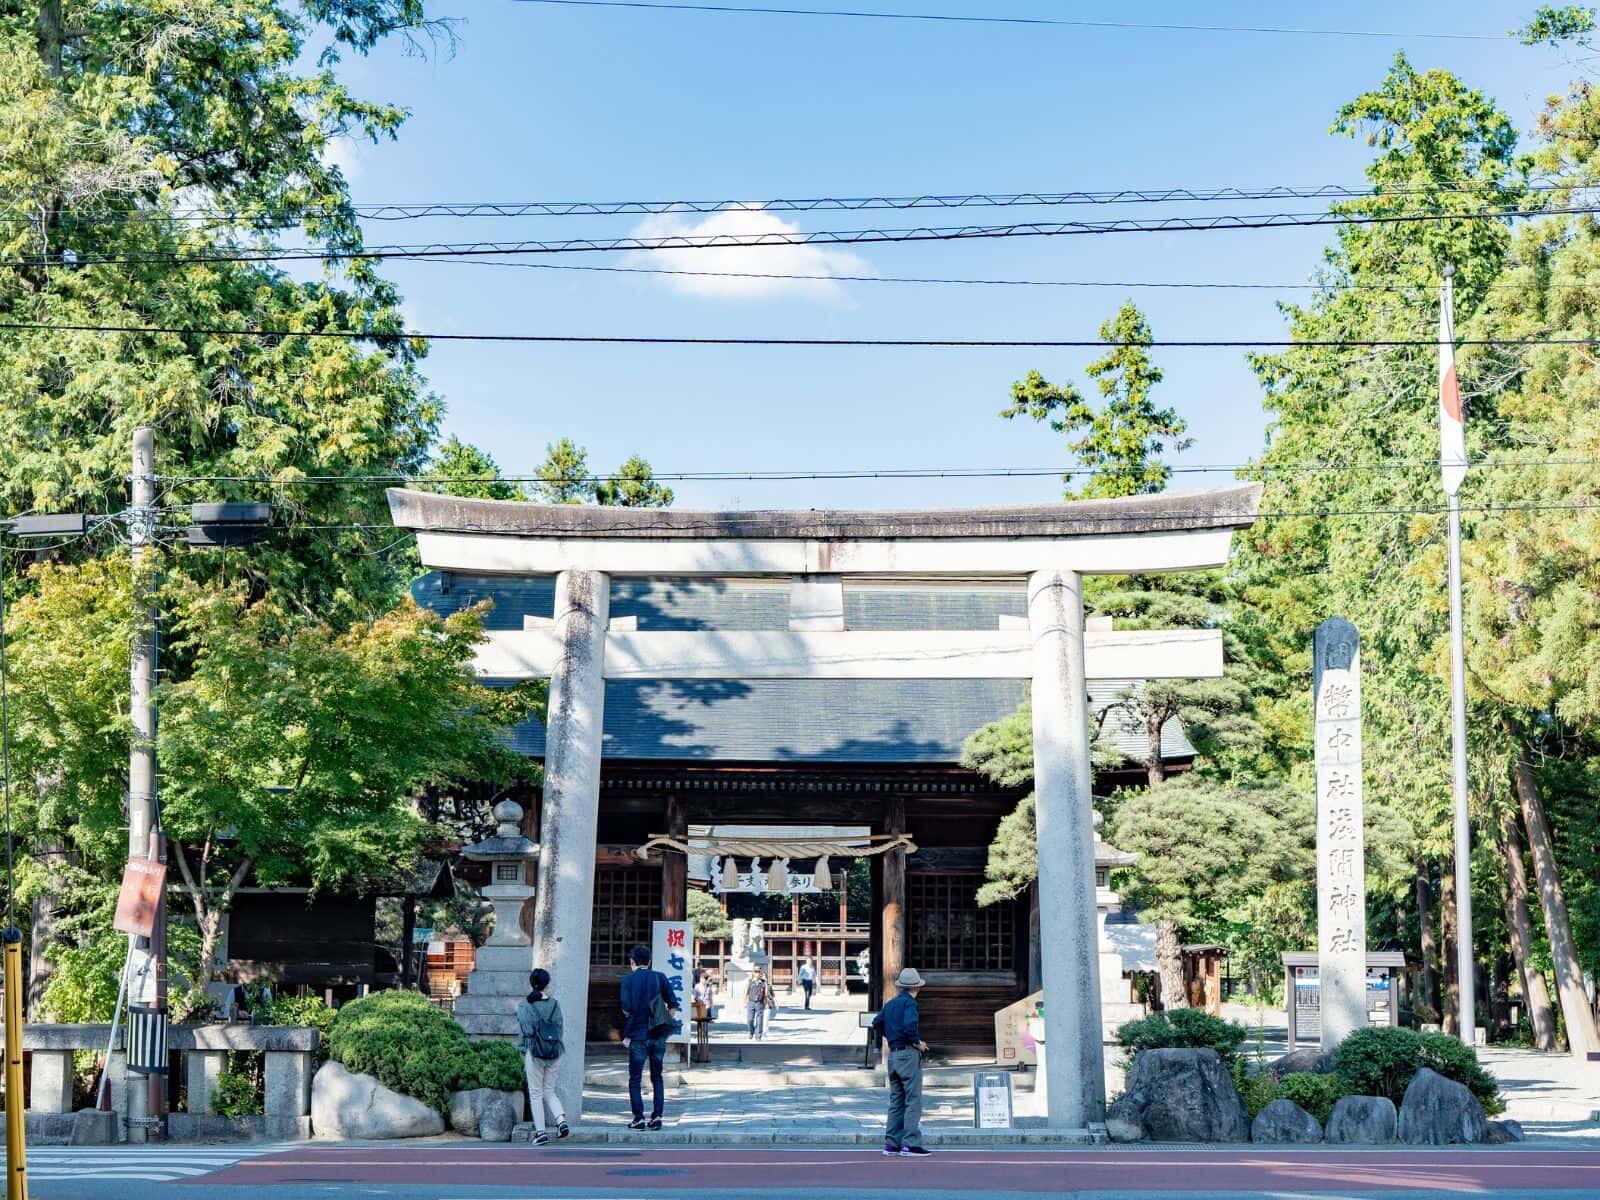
<point x="898" y="1025"/>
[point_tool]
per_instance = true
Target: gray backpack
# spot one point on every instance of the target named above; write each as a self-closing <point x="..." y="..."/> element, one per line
<point x="541" y="1034"/>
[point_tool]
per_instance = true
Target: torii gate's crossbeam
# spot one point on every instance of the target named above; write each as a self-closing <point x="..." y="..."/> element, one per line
<point x="1052" y="547"/>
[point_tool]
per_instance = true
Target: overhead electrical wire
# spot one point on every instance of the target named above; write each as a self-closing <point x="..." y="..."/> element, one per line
<point x="992" y="19"/>
<point x="399" y="211"/>
<point x="797" y="238"/>
<point x="668" y="340"/>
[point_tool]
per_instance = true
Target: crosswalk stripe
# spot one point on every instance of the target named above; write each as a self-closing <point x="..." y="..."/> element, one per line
<point x="144" y="1164"/>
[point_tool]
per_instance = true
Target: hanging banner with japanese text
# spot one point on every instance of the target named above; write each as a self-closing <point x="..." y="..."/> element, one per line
<point x="672" y="953"/>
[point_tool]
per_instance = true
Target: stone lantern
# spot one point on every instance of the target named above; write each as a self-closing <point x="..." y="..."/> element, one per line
<point x="499" y="975"/>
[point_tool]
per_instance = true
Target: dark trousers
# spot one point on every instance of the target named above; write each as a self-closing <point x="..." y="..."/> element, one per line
<point x="808" y="986"/>
<point x="640" y="1051"/>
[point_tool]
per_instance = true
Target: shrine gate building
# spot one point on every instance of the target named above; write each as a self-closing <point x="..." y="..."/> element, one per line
<point x="824" y="669"/>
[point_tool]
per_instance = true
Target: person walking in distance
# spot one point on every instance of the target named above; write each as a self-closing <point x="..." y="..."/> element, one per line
<point x="647" y="1008"/>
<point x="898" y="1024"/>
<point x="539" y="1020"/>
<point x="759" y="1001"/>
<point x="808" y="981"/>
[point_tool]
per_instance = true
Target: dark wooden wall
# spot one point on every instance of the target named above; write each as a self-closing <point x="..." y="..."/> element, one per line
<point x="325" y="942"/>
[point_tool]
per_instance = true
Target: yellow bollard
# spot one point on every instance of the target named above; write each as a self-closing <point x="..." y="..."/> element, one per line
<point x="16" y="1143"/>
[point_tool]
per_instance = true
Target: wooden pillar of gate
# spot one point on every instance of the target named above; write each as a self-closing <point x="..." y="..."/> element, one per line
<point x="893" y="914"/>
<point x="675" y="866"/>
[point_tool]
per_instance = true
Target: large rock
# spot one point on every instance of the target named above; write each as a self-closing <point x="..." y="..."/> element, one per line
<point x="1308" y="1060"/>
<point x="1285" y="1121"/>
<point x="1501" y="1132"/>
<point x="467" y="1110"/>
<point x="1179" y="1096"/>
<point x="497" y="1122"/>
<point x="1440" y="1112"/>
<point x="1365" y="1120"/>
<point x="345" y="1105"/>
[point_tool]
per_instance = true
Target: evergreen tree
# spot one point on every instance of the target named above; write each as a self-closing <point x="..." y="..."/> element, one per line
<point x="1121" y="444"/>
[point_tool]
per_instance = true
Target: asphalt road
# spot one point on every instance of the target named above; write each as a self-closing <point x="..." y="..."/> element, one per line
<point x="470" y="1172"/>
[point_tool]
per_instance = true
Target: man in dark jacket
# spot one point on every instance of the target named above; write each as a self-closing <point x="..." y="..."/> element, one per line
<point x="899" y="1025"/>
<point x="640" y="990"/>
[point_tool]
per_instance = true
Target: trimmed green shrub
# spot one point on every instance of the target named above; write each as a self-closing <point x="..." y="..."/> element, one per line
<point x="416" y="1049"/>
<point x="493" y="1065"/>
<point x="1382" y="1061"/>
<point x="1317" y="1094"/>
<point x="1257" y="1091"/>
<point x="239" y="1089"/>
<point x="1187" y="1028"/>
<point x="306" y="1011"/>
<point x="1379" y="1061"/>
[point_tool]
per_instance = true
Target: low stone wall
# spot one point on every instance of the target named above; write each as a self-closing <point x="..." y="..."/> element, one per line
<point x="290" y="1063"/>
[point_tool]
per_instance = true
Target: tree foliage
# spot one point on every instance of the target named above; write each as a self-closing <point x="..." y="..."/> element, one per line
<point x="1120" y="444"/>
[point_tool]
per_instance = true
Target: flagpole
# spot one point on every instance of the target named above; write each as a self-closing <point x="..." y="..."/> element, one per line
<point x="1466" y="983"/>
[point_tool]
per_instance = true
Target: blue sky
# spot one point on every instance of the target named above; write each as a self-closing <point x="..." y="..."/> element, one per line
<point x="541" y="102"/>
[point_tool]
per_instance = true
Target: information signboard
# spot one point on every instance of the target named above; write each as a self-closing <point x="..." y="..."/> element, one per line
<point x="671" y="953"/>
<point x="991" y="1099"/>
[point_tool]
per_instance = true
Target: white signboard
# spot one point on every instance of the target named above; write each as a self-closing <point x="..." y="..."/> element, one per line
<point x="671" y="953"/>
<point x="796" y="883"/>
<point x="991" y="1101"/>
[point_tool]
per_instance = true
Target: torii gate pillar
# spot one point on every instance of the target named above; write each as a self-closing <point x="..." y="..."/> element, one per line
<point x="1064" y="818"/>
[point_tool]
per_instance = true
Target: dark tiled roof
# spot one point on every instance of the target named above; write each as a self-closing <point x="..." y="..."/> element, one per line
<point x="783" y="720"/>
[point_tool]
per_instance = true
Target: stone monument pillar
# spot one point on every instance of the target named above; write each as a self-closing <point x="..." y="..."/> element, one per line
<point x="1341" y="859"/>
<point x="500" y="974"/>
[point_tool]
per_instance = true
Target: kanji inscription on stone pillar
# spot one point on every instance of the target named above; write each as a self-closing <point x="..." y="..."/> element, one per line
<point x="1341" y="868"/>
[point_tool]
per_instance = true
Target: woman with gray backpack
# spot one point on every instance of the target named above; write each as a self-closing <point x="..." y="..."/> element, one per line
<point x="539" y="1019"/>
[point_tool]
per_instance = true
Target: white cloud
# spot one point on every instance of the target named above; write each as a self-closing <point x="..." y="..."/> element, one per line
<point x="346" y="154"/>
<point x="741" y="263"/>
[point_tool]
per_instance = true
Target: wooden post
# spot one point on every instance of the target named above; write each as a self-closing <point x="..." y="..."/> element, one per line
<point x="875" y="935"/>
<point x="893" y="915"/>
<point x="675" y="866"/>
<point x="408" y="935"/>
<point x="844" y="924"/>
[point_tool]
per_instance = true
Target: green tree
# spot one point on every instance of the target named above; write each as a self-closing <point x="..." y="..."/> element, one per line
<point x="1121" y="444"/>
<point x="1219" y="861"/>
<point x="633" y="486"/>
<point x="461" y="469"/>
<point x="292" y="753"/>
<point x="563" y="477"/>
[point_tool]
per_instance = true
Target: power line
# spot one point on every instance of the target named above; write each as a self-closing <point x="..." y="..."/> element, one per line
<point x="929" y="343"/>
<point x="970" y="19"/>
<point x="400" y="211"/>
<point x="802" y="238"/>
<point x="925" y="279"/>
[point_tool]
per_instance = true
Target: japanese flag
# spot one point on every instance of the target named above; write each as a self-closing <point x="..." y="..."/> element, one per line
<point x="1452" y="420"/>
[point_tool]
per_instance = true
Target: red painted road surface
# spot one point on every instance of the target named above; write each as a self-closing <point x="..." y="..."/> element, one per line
<point x="1052" y="1171"/>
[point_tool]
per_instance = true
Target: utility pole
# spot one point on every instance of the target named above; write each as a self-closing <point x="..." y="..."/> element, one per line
<point x="147" y="999"/>
<point x="1453" y="469"/>
<point x="145" y="972"/>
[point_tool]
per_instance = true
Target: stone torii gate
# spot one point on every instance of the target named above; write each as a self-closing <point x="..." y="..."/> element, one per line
<point x="1050" y="546"/>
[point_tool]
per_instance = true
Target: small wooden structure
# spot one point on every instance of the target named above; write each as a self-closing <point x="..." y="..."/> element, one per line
<point x="1202" y="976"/>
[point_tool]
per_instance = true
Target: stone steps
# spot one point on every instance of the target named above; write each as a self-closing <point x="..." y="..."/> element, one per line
<point x="936" y="1078"/>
